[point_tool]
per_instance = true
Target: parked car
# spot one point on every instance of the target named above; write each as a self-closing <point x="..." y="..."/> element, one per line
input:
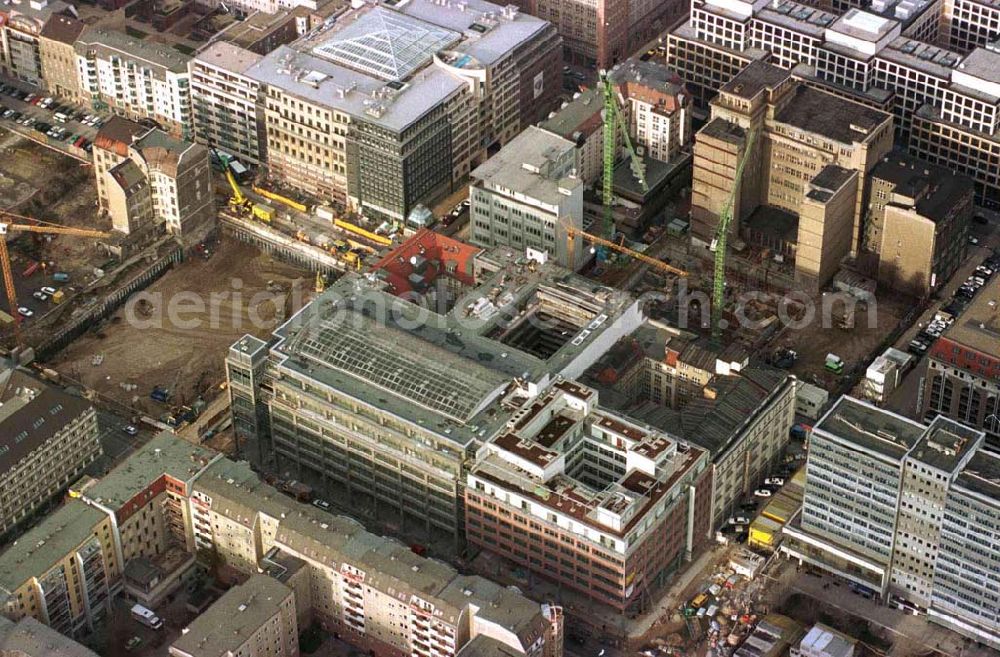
<point x="25" y="312"/>
<point x="739" y="520"/>
<point x="41" y="296"/>
<point x="322" y="504"/>
<point x="774" y="481"/>
<point x="130" y="430"/>
<point x="762" y="492"/>
<point x="49" y="290"/>
<point x="973" y="240"/>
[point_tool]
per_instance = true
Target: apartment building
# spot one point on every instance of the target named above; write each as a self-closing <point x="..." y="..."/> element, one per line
<point x="253" y="619"/>
<point x="918" y="223"/>
<point x="382" y="136"/>
<point x="802" y="193"/>
<point x="528" y="196"/>
<point x="963" y="376"/>
<point x="20" y="30"/>
<point x="603" y="33"/>
<point x="656" y="108"/>
<point x="227" y="106"/>
<point x="150" y="182"/>
<point x="64" y="571"/>
<point x="135" y="78"/>
<point x="372" y="591"/>
<point x="47" y="438"/>
<point x="887" y="505"/>
<point x="57" y="56"/>
<point x="588" y="498"/>
<point x="29" y="638"/>
<point x="944" y="99"/>
<point x="392" y="434"/>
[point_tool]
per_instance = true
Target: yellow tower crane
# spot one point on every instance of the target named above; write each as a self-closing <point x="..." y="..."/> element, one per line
<point x="8" y="276"/>
<point x="573" y="233"/>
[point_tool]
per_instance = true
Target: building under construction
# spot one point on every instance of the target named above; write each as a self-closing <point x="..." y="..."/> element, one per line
<point x="370" y="394"/>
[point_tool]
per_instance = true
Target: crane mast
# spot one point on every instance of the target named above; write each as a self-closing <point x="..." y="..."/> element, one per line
<point x="613" y="124"/>
<point x="721" y="236"/>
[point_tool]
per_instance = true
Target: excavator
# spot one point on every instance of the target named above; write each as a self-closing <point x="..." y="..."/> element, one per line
<point x="240" y="204"/>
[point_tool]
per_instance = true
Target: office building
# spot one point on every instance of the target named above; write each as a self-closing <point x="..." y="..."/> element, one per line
<point x="603" y="33"/>
<point x="47" y="438"/>
<point x="528" y="196"/>
<point x="29" y="638"/>
<point x="382" y="136"/>
<point x="739" y="413"/>
<point x="963" y="367"/>
<point x="135" y="78"/>
<point x="57" y="57"/>
<point x="252" y="619"/>
<point x="945" y="101"/>
<point x="227" y="106"/>
<point x="588" y="498"/>
<point x="149" y="182"/>
<point x="802" y="194"/>
<point x="20" y="35"/>
<point x="887" y="506"/>
<point x="380" y="412"/>
<point x="64" y="571"/>
<point x="918" y="222"/>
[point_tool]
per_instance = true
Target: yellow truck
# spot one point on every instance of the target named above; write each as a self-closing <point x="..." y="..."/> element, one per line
<point x="264" y="212"/>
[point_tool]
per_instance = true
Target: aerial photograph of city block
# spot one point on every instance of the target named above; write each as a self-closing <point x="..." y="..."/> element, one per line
<point x="448" y="328"/>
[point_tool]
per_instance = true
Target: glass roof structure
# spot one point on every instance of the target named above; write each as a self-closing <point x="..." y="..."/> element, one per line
<point x="386" y="44"/>
<point x="401" y="364"/>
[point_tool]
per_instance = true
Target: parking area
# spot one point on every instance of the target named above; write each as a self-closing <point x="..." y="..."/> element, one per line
<point x="59" y="125"/>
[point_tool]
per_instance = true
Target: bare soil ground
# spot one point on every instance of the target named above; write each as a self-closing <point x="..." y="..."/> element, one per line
<point x="184" y="349"/>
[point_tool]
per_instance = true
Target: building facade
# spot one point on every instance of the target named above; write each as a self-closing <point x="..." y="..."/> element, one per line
<point x="20" y="36"/>
<point x="904" y="511"/>
<point x="588" y="498"/>
<point x="57" y="56"/>
<point x="918" y="223"/>
<point x="802" y="193"/>
<point x="963" y="376"/>
<point x="135" y="79"/>
<point x="527" y="196"/>
<point x="227" y="106"/>
<point x="47" y="438"/>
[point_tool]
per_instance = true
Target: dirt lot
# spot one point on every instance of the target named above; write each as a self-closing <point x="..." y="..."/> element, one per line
<point x="40" y="183"/>
<point x="198" y="310"/>
<point x="822" y="336"/>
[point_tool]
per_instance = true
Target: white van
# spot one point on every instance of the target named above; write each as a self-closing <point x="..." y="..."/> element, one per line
<point x="147" y="617"/>
<point x="59" y="117"/>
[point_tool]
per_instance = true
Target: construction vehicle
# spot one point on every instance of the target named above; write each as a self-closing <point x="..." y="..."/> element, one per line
<point x="264" y="212"/>
<point x="613" y="125"/>
<point x="36" y="226"/>
<point x="240" y="204"/>
<point x="358" y="230"/>
<point x="284" y="200"/>
<point x="320" y="282"/>
<point x="358" y="246"/>
<point x="572" y="234"/>
<point x="721" y="237"/>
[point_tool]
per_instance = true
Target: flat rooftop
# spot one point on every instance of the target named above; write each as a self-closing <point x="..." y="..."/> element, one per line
<point x="982" y="474"/>
<point x="581" y="117"/>
<point x="865" y="25"/>
<point x="159" y="54"/>
<point x="725" y="131"/>
<point x="982" y="63"/>
<point x="831" y="116"/>
<point x="165" y="454"/>
<point x="43" y="546"/>
<point x="30" y="638"/>
<point x="872" y="428"/>
<point x="234" y="618"/>
<point x="535" y="163"/>
<point x="938" y="189"/>
<point x="797" y="17"/>
<point x="924" y="57"/>
<point x="945" y="444"/>
<point x="978" y="327"/>
<point x="228" y="56"/>
<point x="755" y="78"/>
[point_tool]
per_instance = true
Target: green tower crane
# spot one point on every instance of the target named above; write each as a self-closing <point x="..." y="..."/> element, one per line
<point x="721" y="236"/>
<point x="613" y="123"/>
